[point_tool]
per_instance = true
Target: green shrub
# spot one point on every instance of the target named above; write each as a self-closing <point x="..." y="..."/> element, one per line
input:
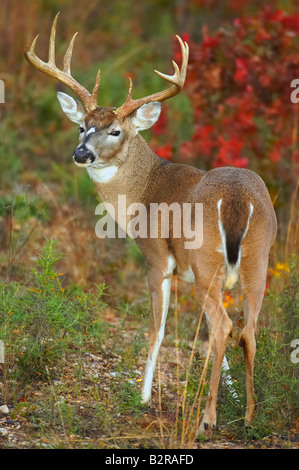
<point x="23" y="206"/>
<point x="41" y="323"/>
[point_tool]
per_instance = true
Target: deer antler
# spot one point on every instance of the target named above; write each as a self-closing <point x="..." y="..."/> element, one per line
<point x="177" y="80"/>
<point x="49" y="68"/>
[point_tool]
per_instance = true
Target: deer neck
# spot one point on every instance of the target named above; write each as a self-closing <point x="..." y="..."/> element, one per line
<point x="130" y="174"/>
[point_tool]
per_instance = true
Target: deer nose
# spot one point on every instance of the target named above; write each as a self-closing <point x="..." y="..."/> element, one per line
<point x="82" y="154"/>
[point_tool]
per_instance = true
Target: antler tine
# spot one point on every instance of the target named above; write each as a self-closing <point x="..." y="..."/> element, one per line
<point x="52" y="42"/>
<point x="32" y="47"/>
<point x="96" y="87"/>
<point x="64" y="76"/>
<point x="68" y="56"/>
<point x="177" y="80"/>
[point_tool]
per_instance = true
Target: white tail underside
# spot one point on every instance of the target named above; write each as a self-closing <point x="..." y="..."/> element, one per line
<point x="232" y="270"/>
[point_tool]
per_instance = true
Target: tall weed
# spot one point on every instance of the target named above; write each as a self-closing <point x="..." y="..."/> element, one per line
<point x="41" y="323"/>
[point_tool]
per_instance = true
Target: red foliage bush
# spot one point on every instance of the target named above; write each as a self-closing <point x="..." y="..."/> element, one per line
<point x="238" y="83"/>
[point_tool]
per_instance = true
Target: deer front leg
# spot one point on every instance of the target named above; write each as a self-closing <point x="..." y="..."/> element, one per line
<point x="160" y="287"/>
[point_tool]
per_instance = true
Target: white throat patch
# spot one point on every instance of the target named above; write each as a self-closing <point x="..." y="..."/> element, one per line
<point x="101" y="175"/>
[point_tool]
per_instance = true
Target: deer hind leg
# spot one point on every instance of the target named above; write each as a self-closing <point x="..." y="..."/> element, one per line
<point x="253" y="284"/>
<point x="160" y="288"/>
<point x="220" y="327"/>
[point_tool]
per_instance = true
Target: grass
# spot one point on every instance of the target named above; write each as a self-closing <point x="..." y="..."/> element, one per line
<point x="76" y="380"/>
<point x="39" y="324"/>
<point x="275" y="375"/>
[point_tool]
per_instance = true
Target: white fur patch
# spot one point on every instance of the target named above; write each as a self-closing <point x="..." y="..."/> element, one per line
<point x="232" y="270"/>
<point x="222" y="232"/>
<point x="102" y="175"/>
<point x="171" y="264"/>
<point x="153" y="355"/>
<point x="232" y="274"/>
<point x="228" y="379"/>
<point x="250" y="215"/>
<point x="90" y="131"/>
<point x="188" y="276"/>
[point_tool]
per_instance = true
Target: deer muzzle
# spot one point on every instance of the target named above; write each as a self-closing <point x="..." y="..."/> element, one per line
<point x="83" y="155"/>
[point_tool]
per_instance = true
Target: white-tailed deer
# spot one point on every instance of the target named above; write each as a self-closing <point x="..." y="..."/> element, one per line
<point x="239" y="222"/>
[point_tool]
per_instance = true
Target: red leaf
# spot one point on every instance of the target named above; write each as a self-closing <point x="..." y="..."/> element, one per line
<point x="165" y="151"/>
<point x="262" y="35"/>
<point x="205" y="142"/>
<point x="241" y="70"/>
<point x="275" y="154"/>
<point x="160" y="126"/>
<point x="210" y="41"/>
<point x="230" y="153"/>
<point x="291" y="22"/>
<point x="186" y="37"/>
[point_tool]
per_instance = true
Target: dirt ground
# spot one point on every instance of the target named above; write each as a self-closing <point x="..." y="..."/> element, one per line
<point x="31" y="423"/>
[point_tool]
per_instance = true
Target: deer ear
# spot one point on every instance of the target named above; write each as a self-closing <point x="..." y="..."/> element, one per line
<point x="72" y="108"/>
<point x="146" y="116"/>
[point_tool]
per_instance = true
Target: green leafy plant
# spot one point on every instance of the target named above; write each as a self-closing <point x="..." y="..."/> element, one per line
<point x="41" y="323"/>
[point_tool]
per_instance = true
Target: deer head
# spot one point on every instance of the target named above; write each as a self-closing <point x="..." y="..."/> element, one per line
<point x="105" y="131"/>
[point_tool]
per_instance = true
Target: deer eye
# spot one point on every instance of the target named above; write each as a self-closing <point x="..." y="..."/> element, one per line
<point x="115" y="133"/>
<point x="81" y="129"/>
